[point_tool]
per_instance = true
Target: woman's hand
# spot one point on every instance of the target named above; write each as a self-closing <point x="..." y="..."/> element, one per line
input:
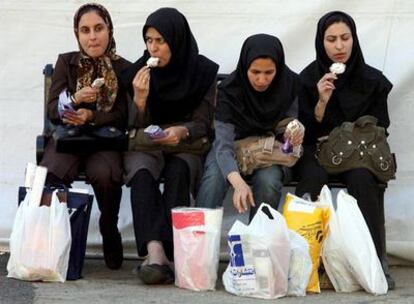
<point x="243" y="195"/>
<point x="295" y="136"/>
<point x="141" y="84"/>
<point x="174" y="136"/>
<point x="86" y="95"/>
<point x="326" y="86"/>
<point x="78" y="118"/>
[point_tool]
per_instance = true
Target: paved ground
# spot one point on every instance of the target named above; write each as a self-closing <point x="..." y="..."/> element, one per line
<point x="101" y="285"/>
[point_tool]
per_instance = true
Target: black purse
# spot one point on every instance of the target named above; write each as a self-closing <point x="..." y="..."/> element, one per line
<point x="359" y="144"/>
<point x="86" y="139"/>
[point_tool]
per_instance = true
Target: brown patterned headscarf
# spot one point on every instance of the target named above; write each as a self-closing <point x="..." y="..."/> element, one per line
<point x="92" y="68"/>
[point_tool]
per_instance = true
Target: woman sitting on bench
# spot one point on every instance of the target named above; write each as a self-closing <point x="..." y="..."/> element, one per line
<point x="251" y="101"/>
<point x="74" y="101"/>
<point x="174" y="87"/>
<point x="328" y="99"/>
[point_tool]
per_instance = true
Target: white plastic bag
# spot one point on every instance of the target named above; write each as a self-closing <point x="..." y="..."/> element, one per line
<point x="333" y="257"/>
<point x="259" y="256"/>
<point x="196" y="247"/>
<point x="40" y="242"/>
<point x="358" y="246"/>
<point x="300" y="267"/>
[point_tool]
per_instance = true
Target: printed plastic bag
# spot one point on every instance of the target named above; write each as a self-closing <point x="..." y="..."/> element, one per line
<point x="40" y="241"/>
<point x="196" y="247"/>
<point x="309" y="219"/>
<point x="300" y="267"/>
<point x="334" y="260"/>
<point x="259" y="256"/>
<point x="358" y="246"/>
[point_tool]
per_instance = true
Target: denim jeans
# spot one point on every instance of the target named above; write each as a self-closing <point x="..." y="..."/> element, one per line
<point x="266" y="184"/>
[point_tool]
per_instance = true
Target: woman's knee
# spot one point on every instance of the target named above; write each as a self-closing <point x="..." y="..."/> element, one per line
<point x="268" y="178"/>
<point x="213" y="187"/>
<point x="99" y="174"/>
<point x="176" y="167"/>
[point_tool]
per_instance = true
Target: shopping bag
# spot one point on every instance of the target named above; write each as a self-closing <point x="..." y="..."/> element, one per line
<point x="259" y="256"/>
<point x="79" y="203"/>
<point x="309" y="219"/>
<point x="300" y="267"/>
<point x="40" y="241"/>
<point x="334" y="259"/>
<point x="358" y="246"/>
<point x="196" y="234"/>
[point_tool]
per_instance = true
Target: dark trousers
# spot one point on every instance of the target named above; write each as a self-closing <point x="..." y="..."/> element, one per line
<point x="103" y="170"/>
<point x="361" y="184"/>
<point x="151" y="209"/>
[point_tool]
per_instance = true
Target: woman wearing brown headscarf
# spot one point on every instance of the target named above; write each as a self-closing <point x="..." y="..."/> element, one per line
<point x="73" y="101"/>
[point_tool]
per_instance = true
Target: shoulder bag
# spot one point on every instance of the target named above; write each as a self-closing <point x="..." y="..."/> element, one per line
<point x="359" y="144"/>
<point x="264" y="151"/>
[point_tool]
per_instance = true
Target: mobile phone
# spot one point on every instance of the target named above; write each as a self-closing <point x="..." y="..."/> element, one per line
<point x="154" y="132"/>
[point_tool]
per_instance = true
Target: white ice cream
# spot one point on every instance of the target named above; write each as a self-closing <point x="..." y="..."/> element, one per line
<point x="337" y="68"/>
<point x="152" y="62"/>
<point x="98" y="82"/>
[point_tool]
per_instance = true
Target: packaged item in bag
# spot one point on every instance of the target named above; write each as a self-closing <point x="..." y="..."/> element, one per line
<point x="196" y="247"/>
<point x="309" y="220"/>
<point x="300" y="267"/>
<point x="259" y="256"/>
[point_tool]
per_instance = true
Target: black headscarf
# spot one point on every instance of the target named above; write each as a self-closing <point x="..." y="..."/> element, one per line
<point x="356" y="86"/>
<point x="250" y="111"/>
<point x="178" y="88"/>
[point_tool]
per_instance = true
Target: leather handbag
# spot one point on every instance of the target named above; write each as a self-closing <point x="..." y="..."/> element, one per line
<point x="359" y="144"/>
<point x="87" y="139"/>
<point x="255" y="152"/>
<point x="139" y="141"/>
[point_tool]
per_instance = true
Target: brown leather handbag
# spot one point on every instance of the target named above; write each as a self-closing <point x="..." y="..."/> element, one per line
<point x="264" y="151"/>
<point x="359" y="144"/>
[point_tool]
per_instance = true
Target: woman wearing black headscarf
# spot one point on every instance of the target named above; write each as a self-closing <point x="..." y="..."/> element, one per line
<point x="74" y="102"/>
<point x="251" y="101"/>
<point x="328" y="100"/>
<point x="178" y="94"/>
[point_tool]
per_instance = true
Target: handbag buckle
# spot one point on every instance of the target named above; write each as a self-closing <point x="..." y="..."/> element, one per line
<point x="336" y="160"/>
<point x="268" y="145"/>
<point x="384" y="166"/>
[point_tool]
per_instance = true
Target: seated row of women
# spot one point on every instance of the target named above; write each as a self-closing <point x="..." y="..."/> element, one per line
<point x="180" y="94"/>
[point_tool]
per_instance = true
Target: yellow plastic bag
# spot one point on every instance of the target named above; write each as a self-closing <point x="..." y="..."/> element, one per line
<point x="309" y="219"/>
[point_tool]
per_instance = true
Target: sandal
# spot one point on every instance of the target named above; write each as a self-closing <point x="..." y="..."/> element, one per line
<point x="156" y="274"/>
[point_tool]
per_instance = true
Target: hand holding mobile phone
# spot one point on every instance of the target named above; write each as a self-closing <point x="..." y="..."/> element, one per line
<point x="154" y="132"/>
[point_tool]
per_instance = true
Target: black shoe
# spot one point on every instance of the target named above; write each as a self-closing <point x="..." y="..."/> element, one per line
<point x="113" y="251"/>
<point x="390" y="281"/>
<point x="156" y="274"/>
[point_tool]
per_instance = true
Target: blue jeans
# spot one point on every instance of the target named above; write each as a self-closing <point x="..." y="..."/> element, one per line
<point x="266" y="184"/>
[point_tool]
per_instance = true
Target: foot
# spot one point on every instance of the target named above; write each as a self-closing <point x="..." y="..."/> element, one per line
<point x="156" y="253"/>
<point x="113" y="251"/>
<point x="155" y="274"/>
